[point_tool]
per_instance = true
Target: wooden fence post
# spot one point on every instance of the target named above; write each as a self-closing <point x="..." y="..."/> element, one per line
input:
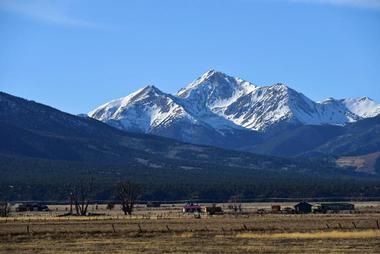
<point x="353" y="223"/>
<point x="113" y="228"/>
<point x="140" y="230"/>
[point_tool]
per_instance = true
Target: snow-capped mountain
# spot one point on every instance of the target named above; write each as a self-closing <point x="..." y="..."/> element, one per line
<point x="143" y="111"/>
<point x="150" y="110"/>
<point x="363" y="107"/>
<point x="216" y="106"/>
<point x="209" y="95"/>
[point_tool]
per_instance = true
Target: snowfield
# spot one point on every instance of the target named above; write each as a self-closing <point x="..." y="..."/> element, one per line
<point x="216" y="102"/>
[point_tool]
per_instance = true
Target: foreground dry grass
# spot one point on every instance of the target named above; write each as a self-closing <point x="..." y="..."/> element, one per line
<point x="189" y="243"/>
<point x="351" y="233"/>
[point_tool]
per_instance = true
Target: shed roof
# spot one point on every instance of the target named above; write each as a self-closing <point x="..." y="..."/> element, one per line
<point x="303" y="203"/>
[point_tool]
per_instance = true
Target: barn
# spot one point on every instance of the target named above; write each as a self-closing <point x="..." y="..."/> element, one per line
<point x="303" y="207"/>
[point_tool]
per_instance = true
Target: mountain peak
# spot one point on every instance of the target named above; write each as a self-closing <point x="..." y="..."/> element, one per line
<point x="212" y="73"/>
<point x="150" y="88"/>
<point x="328" y="100"/>
<point x="365" y="98"/>
<point x="280" y="86"/>
<point x="214" y="81"/>
<point x="362" y="106"/>
<point x="146" y="91"/>
<point x="210" y="76"/>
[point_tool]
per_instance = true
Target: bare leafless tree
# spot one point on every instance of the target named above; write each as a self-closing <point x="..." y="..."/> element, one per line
<point x="236" y="204"/>
<point x="127" y="194"/>
<point x="4" y="209"/>
<point x="81" y="195"/>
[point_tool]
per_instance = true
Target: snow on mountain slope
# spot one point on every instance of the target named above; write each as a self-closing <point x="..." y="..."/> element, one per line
<point x="216" y="102"/>
<point x="209" y="95"/>
<point x="336" y="113"/>
<point x="363" y="107"/>
<point x="268" y="105"/>
<point x="214" y="90"/>
<point x="262" y="107"/>
<point x="142" y="111"/>
<point x="254" y="107"/>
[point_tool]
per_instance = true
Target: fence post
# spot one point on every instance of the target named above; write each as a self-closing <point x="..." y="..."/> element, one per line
<point x="353" y="223"/>
<point x="113" y="228"/>
<point x="140" y="230"/>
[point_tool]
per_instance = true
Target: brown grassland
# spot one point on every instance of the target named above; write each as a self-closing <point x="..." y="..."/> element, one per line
<point x="166" y="230"/>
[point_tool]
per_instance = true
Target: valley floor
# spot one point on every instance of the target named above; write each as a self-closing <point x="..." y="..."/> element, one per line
<point x="155" y="232"/>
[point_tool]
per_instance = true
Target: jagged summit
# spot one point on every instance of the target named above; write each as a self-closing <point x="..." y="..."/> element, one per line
<point x="213" y="73"/>
<point x="149" y="90"/>
<point x="363" y="106"/>
<point x="209" y="80"/>
<point x="213" y="90"/>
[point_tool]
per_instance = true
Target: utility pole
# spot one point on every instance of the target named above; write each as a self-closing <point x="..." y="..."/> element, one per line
<point x="71" y="203"/>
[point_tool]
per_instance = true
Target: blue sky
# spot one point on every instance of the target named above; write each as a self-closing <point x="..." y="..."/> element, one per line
<point x="76" y="55"/>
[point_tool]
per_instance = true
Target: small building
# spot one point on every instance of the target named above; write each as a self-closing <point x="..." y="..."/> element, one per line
<point x="287" y="210"/>
<point x="276" y="209"/>
<point x="336" y="207"/>
<point x="153" y="204"/>
<point x="213" y="210"/>
<point x="191" y="208"/>
<point x="303" y="207"/>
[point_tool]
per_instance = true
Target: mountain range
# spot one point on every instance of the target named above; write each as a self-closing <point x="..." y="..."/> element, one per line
<point x="34" y="130"/>
<point x="229" y="112"/>
<point x="43" y="151"/>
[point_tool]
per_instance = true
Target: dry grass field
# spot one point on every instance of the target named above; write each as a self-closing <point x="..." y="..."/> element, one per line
<point x="166" y="230"/>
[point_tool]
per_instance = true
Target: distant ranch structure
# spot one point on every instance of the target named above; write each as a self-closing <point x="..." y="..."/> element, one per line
<point x="191" y="208"/>
<point x="336" y="207"/>
<point x="303" y="207"/>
